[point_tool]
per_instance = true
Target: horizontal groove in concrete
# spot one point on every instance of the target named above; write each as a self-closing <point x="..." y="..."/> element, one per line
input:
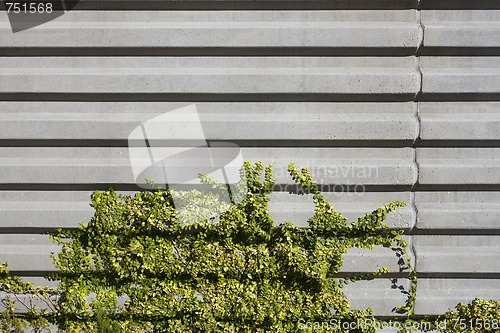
<point x="455" y="232"/>
<point x="209" y="51"/>
<point x="457" y="187"/>
<point x="460" y="51"/>
<point x="241" y="143"/>
<point x="208" y="97"/>
<point x="460" y="5"/>
<point x="133" y="187"/>
<point x="459" y="97"/>
<point x="456" y="143"/>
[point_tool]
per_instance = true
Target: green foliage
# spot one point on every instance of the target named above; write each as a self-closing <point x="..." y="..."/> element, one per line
<point x="22" y="293"/>
<point x="479" y="316"/>
<point x="239" y="274"/>
<point x="140" y="265"/>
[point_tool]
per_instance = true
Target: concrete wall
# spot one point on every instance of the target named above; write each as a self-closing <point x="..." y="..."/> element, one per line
<point x="397" y="100"/>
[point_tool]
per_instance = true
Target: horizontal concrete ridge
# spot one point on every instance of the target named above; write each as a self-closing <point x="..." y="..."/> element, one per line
<point x="330" y="166"/>
<point x="241" y="4"/>
<point x="30" y="254"/>
<point x="221" y="29"/>
<point x="471" y="211"/>
<point x="255" y="122"/>
<point x="218" y="75"/>
<point x="35" y="212"/>
<point x="116" y="65"/>
<point x="470" y="28"/>
<point x="460" y="121"/>
<point x="454" y="76"/>
<point x="436" y="296"/>
<point x="458" y="254"/>
<point x="299" y="208"/>
<point x="366" y="260"/>
<point x="459" y="165"/>
<point x="38" y="211"/>
<point x="383" y="296"/>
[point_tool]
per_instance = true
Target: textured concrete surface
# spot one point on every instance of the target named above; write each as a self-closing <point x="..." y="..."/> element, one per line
<point x="461" y="28"/>
<point x="349" y="79"/>
<point x="460" y="121"/>
<point x="221" y="29"/>
<point x="366" y="260"/>
<point x="299" y="208"/>
<point x="381" y="295"/>
<point x="32" y="211"/>
<point x="457" y="254"/>
<point x="330" y="166"/>
<point x="355" y="166"/>
<point x="459" y="165"/>
<point x="27" y="253"/>
<point x="437" y="296"/>
<point x="217" y="75"/>
<point x="26" y="211"/>
<point x="254" y="122"/>
<point x="469" y="211"/>
<point x="461" y="75"/>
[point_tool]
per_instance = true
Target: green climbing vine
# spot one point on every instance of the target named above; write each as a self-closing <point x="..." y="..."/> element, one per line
<point x="141" y="266"/>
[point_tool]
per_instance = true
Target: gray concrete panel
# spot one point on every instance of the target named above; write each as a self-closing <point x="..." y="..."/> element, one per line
<point x="255" y="122"/>
<point x="460" y="121"/>
<point x="465" y="211"/>
<point x="330" y="166"/>
<point x="462" y="255"/>
<point x="221" y="29"/>
<point x="461" y="28"/>
<point x="299" y="208"/>
<point x="436" y="296"/>
<point x="461" y="75"/>
<point x="459" y="165"/>
<point x="217" y="75"/>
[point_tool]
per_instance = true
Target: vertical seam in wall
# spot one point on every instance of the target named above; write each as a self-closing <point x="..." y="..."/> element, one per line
<point x="416" y="143"/>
